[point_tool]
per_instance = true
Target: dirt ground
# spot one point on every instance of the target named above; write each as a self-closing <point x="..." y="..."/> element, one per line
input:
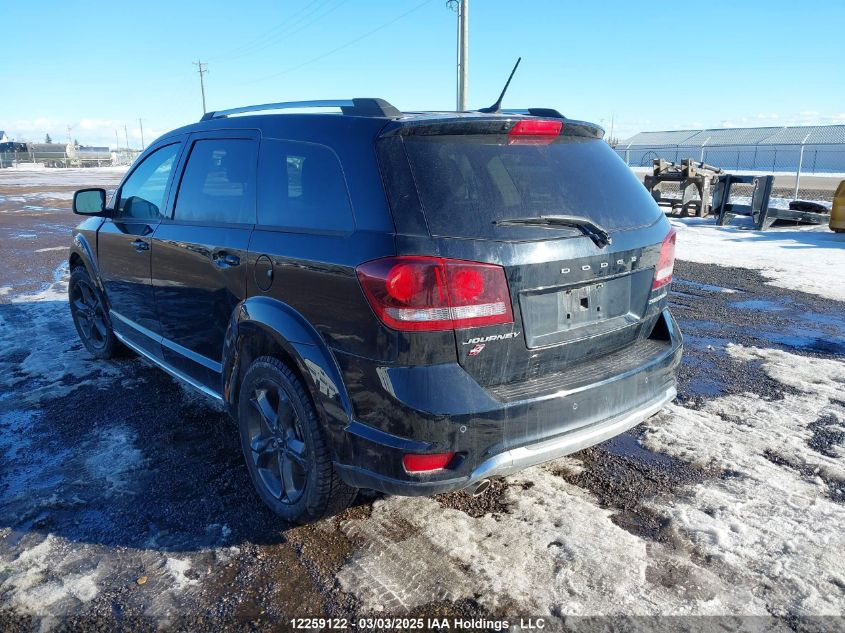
<point x="124" y="501"/>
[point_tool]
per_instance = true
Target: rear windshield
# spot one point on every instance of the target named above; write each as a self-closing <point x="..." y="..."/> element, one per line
<point x="465" y="182"/>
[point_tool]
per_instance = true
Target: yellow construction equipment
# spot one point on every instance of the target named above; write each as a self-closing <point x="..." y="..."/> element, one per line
<point x="837" y="213"/>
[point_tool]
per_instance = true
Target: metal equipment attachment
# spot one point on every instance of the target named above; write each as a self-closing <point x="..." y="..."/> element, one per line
<point x="694" y="179"/>
<point x="761" y="213"/>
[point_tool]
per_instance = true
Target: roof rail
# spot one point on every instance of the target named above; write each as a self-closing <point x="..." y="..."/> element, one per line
<point x="352" y="107"/>
<point x="544" y="112"/>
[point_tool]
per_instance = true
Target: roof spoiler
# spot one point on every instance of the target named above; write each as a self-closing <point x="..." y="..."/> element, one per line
<point x="548" y="113"/>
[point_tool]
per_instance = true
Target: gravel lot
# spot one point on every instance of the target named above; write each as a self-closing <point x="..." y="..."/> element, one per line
<point x="124" y="500"/>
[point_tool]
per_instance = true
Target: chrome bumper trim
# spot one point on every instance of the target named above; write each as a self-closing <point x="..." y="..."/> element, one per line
<point x="517" y="459"/>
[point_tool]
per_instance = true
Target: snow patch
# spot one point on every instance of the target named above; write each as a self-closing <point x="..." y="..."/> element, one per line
<point x="555" y="551"/>
<point x="114" y="459"/>
<point x="51" y="248"/>
<point x="770" y="524"/>
<point x="91" y="176"/>
<point x="31" y="586"/>
<point x="39" y="344"/>
<point x="177" y="568"/>
<point x="795" y="258"/>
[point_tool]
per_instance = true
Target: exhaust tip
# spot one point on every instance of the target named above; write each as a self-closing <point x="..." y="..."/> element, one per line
<point x="480" y="487"/>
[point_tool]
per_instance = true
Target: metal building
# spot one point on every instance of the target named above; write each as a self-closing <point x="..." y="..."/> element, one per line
<point x="812" y="149"/>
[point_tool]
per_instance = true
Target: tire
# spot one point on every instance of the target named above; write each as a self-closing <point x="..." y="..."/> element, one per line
<point x="284" y="448"/>
<point x="90" y="315"/>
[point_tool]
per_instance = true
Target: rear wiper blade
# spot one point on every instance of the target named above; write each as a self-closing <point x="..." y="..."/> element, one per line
<point x="589" y="228"/>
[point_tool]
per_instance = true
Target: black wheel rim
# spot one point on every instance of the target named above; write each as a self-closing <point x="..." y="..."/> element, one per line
<point x="275" y="438"/>
<point x="89" y="313"/>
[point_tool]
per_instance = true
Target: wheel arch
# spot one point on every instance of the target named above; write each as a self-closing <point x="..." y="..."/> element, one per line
<point x="262" y="326"/>
<point x="81" y="253"/>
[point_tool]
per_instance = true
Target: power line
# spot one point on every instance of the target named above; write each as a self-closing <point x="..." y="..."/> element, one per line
<point x="288" y="22"/>
<point x="288" y="34"/>
<point x="202" y="67"/>
<point x="292" y="29"/>
<point x="341" y="47"/>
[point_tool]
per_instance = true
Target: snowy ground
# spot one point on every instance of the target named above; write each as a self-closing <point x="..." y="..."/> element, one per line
<point x="123" y="500"/>
<point x="806" y="258"/>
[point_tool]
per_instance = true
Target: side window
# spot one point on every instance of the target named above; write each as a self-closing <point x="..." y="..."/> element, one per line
<point x="302" y="187"/>
<point x="142" y="195"/>
<point x="218" y="184"/>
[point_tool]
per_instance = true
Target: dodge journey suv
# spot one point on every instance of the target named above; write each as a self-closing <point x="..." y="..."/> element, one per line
<point x="412" y="302"/>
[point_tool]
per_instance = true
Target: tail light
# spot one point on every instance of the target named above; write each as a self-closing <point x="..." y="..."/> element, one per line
<point x="426" y="463"/>
<point x="666" y="261"/>
<point x="432" y="293"/>
<point x="534" y="132"/>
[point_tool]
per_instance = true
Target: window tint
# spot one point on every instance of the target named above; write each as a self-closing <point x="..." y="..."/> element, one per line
<point x="467" y="182"/>
<point x="142" y="195"/>
<point x="219" y="182"/>
<point x="302" y="187"/>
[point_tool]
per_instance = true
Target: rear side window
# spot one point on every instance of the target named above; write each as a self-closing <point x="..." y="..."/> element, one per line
<point x="218" y="184"/>
<point x="302" y="188"/>
<point x="467" y="182"/>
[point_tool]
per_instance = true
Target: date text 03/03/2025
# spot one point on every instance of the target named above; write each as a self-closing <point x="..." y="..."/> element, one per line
<point x="419" y="624"/>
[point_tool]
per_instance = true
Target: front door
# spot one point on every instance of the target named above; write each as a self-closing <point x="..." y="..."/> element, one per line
<point x="200" y="263"/>
<point x="124" y="248"/>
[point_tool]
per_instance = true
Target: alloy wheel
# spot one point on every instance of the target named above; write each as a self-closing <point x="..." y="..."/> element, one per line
<point x="278" y="451"/>
<point x="90" y="314"/>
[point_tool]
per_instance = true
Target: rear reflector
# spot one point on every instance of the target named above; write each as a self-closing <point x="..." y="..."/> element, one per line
<point x="433" y="293"/>
<point x="426" y="463"/>
<point x="534" y="132"/>
<point x="666" y="261"/>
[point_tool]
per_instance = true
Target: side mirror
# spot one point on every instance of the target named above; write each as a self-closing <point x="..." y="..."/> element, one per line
<point x="89" y="202"/>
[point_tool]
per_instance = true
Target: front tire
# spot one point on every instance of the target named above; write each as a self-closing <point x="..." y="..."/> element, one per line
<point x="285" y="451"/>
<point x="90" y="317"/>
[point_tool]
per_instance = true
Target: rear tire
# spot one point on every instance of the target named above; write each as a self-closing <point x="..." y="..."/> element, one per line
<point x="285" y="450"/>
<point x="90" y="315"/>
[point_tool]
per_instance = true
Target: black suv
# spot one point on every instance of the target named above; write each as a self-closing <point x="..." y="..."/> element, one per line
<point x="412" y="302"/>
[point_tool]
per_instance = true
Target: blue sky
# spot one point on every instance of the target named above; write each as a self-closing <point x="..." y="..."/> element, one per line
<point x="98" y="65"/>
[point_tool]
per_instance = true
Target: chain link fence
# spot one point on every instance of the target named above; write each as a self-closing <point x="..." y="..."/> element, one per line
<point x="813" y="159"/>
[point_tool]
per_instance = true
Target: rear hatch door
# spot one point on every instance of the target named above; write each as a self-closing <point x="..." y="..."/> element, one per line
<point x="481" y="192"/>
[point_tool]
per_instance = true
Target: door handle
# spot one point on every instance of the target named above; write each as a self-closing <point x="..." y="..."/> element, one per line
<point x="226" y="260"/>
<point x="141" y="245"/>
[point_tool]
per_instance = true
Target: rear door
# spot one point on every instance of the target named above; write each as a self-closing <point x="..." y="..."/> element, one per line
<point x="573" y="300"/>
<point x="124" y="245"/>
<point x="200" y="254"/>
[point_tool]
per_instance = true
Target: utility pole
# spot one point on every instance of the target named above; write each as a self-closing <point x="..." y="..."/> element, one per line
<point x="117" y="158"/>
<point x="461" y="7"/>
<point x="202" y="67"/>
<point x="126" y="136"/>
<point x="141" y="125"/>
<point x="463" y="53"/>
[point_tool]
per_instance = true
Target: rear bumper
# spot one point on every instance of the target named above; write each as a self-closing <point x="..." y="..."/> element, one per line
<point x="502" y="431"/>
<point x="513" y="460"/>
<point x="518" y="459"/>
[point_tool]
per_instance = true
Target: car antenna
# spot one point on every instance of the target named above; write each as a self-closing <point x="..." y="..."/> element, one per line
<point x="497" y="107"/>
